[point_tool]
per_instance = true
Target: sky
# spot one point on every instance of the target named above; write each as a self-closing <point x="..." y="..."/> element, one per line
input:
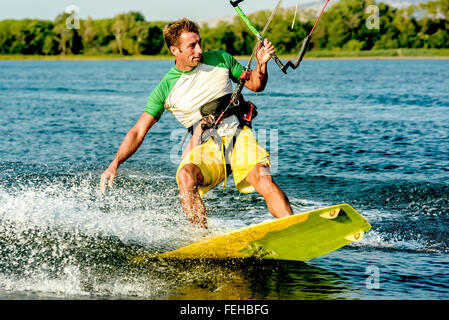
<point x="165" y="10"/>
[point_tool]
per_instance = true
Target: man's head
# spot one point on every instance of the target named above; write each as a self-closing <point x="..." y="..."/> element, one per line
<point x="184" y="42"/>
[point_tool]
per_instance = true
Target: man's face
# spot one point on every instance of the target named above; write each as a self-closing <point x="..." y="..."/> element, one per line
<point x="188" y="53"/>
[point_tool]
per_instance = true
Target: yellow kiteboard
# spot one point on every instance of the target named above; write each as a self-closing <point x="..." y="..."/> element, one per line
<point x="300" y="237"/>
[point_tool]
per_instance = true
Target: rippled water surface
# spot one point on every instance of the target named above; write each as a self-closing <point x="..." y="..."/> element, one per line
<point x="371" y="133"/>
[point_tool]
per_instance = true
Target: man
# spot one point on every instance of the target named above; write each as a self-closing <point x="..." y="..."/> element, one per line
<point x="196" y="79"/>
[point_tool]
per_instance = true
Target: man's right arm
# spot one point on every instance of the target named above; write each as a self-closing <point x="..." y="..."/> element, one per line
<point x="129" y="146"/>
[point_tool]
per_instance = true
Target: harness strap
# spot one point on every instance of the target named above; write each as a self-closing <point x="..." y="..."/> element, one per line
<point x="227" y="151"/>
<point x="223" y="153"/>
<point x="209" y="130"/>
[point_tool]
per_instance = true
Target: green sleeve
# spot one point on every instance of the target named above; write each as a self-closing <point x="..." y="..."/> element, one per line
<point x="235" y="68"/>
<point x="156" y="102"/>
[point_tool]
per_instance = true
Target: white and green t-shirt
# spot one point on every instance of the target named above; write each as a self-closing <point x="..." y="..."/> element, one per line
<point x="183" y="93"/>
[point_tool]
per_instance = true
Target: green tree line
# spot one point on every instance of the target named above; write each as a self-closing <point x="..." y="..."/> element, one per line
<point x="342" y="27"/>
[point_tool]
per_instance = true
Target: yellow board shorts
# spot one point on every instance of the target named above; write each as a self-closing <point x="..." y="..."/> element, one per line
<point x="210" y="158"/>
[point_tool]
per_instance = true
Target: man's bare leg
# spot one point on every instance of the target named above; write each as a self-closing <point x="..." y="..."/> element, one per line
<point x="277" y="201"/>
<point x="189" y="178"/>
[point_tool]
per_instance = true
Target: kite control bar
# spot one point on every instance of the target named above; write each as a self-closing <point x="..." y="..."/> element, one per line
<point x="253" y="29"/>
<point x="299" y="57"/>
<point x="304" y="46"/>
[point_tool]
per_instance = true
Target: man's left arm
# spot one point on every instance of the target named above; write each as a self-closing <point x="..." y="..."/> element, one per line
<point x="259" y="76"/>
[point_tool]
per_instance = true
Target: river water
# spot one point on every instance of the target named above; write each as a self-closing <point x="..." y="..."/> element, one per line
<point x="371" y="133"/>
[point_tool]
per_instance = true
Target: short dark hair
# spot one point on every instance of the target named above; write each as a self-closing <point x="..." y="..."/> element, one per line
<point x="173" y="30"/>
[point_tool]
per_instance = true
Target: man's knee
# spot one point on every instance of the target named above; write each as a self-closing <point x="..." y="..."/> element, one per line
<point x="266" y="184"/>
<point x="189" y="177"/>
<point x="261" y="179"/>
